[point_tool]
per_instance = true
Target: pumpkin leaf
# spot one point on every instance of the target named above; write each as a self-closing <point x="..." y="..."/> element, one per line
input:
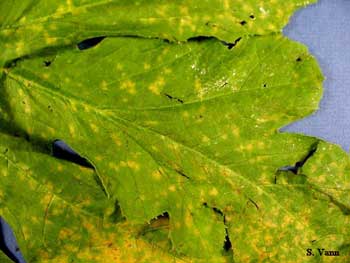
<point x="29" y="26"/>
<point x="177" y="154"/>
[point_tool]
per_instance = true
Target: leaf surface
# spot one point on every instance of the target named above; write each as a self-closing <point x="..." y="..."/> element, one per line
<point x="28" y="26"/>
<point x="186" y="163"/>
<point x="203" y="148"/>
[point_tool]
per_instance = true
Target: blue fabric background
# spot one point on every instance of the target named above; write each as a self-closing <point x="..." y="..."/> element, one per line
<point x="325" y="29"/>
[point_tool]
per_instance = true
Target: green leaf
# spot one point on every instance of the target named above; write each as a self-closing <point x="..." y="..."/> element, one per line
<point x="28" y="26"/>
<point x="191" y="129"/>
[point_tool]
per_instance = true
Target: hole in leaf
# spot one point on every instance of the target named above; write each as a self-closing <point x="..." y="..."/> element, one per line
<point x="47" y="63"/>
<point x="231" y="45"/>
<point x="89" y="43"/>
<point x="298" y="165"/>
<point x="227" y="242"/>
<point x="199" y="39"/>
<point x="243" y="22"/>
<point x="62" y="151"/>
<point x="264" y="85"/>
<point x="117" y="215"/>
<point x="174" y="98"/>
<point x="298" y="59"/>
<point x="8" y="242"/>
<point x="252" y="17"/>
<point x="159" y="222"/>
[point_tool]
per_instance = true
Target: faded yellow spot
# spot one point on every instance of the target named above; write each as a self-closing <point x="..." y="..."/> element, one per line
<point x="235" y="131"/>
<point x="19" y="46"/>
<point x="119" y="66"/>
<point x="184" y="10"/>
<point x="116" y="139"/>
<point x="177" y="225"/>
<point x="167" y="70"/>
<point x="60" y="168"/>
<point x="98" y="158"/>
<point x="188" y="219"/>
<point x="185" y="114"/>
<point x="146" y="66"/>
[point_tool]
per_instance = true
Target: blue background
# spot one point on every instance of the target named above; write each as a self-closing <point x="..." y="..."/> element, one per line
<point x="325" y="29"/>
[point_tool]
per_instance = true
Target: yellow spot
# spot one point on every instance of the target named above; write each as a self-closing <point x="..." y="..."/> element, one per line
<point x="93" y="127"/>
<point x="50" y="40"/>
<point x="104" y="85"/>
<point x="133" y="165"/>
<point x="272" y="27"/>
<point x="129" y="86"/>
<point x="157" y="175"/>
<point x="155" y="86"/>
<point x="249" y="147"/>
<point x="27" y="108"/>
<point x="151" y="20"/>
<point x="151" y="123"/>
<point x="65" y="233"/>
<point x="45" y="76"/>
<point x="71" y="129"/>
<point x="213" y="192"/>
<point x="226" y="4"/>
<point x="146" y="66"/>
<point x="205" y="139"/>
<point x="224" y="136"/>
<point x="113" y="166"/>
<point x="74" y="106"/>
<point x="172" y="188"/>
